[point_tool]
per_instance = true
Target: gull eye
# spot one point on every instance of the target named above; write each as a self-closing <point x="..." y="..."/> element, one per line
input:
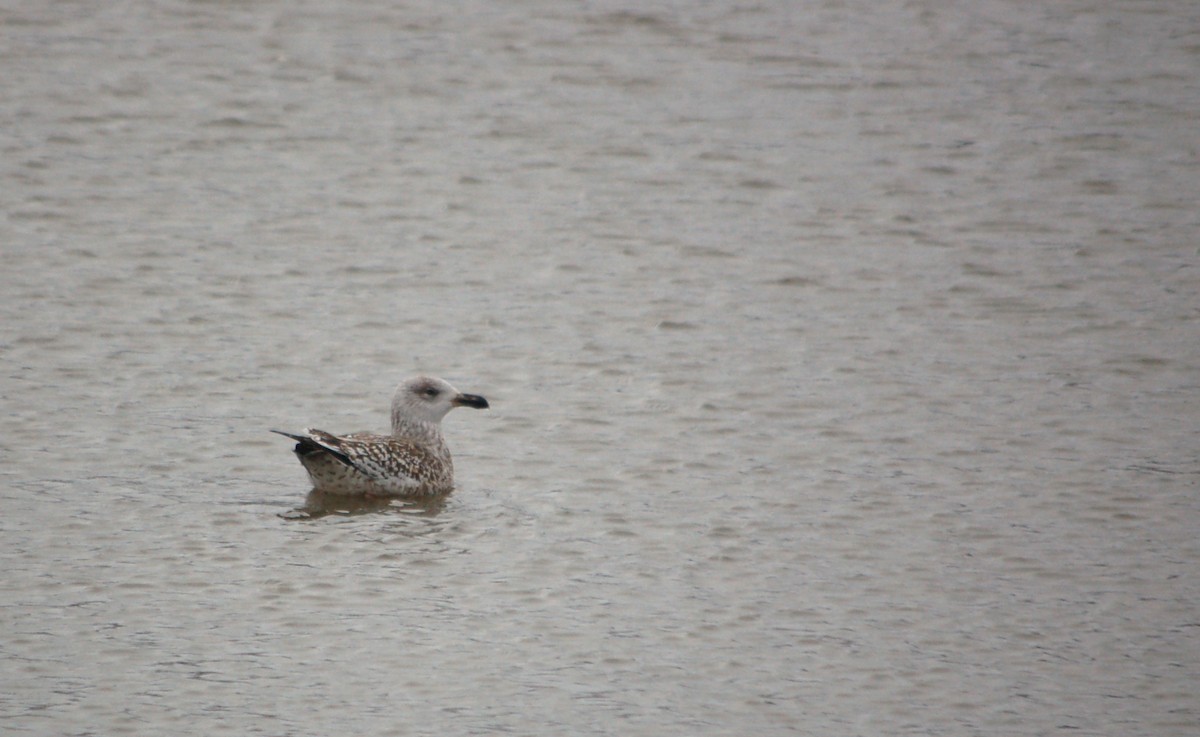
<point x="429" y="392"/>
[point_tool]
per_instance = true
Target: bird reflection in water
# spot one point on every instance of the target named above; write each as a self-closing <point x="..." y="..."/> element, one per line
<point x="322" y="504"/>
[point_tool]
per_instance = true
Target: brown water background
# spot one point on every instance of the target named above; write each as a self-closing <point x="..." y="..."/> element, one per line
<point x="844" y="360"/>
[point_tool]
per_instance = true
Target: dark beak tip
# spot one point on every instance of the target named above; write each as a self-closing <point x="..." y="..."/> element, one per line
<point x="472" y="400"/>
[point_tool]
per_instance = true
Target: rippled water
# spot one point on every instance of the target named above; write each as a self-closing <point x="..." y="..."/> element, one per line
<point x="843" y="360"/>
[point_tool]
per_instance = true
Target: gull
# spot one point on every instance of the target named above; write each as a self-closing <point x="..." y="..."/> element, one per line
<point x="413" y="461"/>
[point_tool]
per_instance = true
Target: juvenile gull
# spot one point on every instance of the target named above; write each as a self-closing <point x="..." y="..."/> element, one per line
<point x="412" y="461"/>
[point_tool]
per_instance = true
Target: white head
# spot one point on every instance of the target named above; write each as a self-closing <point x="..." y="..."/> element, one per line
<point x="422" y="401"/>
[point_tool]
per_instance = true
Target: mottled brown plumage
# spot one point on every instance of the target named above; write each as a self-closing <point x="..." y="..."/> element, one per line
<point x="412" y="461"/>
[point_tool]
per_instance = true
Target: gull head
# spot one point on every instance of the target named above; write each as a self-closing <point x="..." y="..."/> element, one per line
<point x="425" y="400"/>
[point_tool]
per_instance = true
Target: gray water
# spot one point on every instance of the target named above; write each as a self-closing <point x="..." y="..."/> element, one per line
<point x="844" y="362"/>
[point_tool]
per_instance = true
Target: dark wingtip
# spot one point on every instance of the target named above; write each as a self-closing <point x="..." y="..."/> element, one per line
<point x="306" y="446"/>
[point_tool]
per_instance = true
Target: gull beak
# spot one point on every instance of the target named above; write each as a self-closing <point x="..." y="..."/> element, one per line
<point x="470" y="400"/>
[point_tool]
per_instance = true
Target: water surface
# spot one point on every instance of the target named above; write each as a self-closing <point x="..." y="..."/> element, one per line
<point x="843" y="361"/>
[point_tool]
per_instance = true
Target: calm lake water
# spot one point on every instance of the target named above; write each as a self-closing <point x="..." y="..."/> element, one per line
<point x="844" y="361"/>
